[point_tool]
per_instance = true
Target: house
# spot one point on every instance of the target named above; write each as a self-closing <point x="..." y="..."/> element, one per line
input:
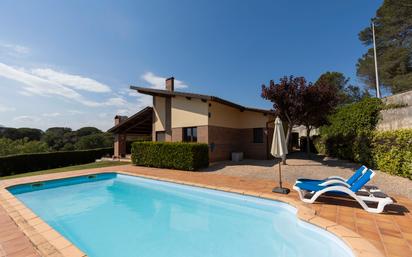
<point x="179" y="116"/>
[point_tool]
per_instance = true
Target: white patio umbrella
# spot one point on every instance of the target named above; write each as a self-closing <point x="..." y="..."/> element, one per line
<point x="279" y="150"/>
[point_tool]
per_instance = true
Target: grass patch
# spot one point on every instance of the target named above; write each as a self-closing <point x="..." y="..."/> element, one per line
<point x="92" y="165"/>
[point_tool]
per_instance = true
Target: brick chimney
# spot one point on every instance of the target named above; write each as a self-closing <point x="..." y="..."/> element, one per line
<point x="119" y="119"/>
<point x="170" y="84"/>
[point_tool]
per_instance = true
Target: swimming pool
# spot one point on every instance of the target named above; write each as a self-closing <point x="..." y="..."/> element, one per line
<point x="110" y="215"/>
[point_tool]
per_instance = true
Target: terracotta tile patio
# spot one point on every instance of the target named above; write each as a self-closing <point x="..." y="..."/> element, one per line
<point x="388" y="234"/>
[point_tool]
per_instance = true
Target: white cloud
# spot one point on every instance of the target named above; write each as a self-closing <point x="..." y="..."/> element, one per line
<point x="52" y="114"/>
<point x="73" y="81"/>
<point x="141" y="100"/>
<point x="4" y="108"/>
<point x="123" y="112"/>
<point x="25" y="118"/>
<point x="75" y="112"/>
<point x="13" y="49"/>
<point x="35" y="85"/>
<point x="133" y="93"/>
<point x="159" y="82"/>
<point x="116" y="101"/>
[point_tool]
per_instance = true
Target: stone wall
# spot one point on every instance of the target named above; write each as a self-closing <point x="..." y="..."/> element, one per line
<point x="397" y="118"/>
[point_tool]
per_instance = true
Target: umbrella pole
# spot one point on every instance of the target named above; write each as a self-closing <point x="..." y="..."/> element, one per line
<point x="280" y="189"/>
<point x="280" y="176"/>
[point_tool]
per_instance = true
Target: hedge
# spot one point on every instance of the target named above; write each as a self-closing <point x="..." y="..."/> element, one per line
<point x="355" y="148"/>
<point x="22" y="163"/>
<point x="392" y="152"/>
<point x="351" y="135"/>
<point x="349" y="132"/>
<point x="172" y="155"/>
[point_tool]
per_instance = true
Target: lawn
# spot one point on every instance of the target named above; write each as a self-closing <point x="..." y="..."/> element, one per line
<point x="92" y="165"/>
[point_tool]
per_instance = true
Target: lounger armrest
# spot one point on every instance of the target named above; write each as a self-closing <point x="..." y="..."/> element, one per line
<point x="336" y="177"/>
<point x="334" y="182"/>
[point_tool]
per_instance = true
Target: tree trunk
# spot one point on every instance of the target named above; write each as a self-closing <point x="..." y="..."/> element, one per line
<point x="288" y="133"/>
<point x="308" y="140"/>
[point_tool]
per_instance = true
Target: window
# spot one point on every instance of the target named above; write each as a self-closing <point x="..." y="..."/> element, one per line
<point x="190" y="134"/>
<point x="258" y="135"/>
<point x="160" y="136"/>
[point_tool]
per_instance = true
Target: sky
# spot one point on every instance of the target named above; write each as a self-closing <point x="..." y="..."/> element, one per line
<point x="70" y="63"/>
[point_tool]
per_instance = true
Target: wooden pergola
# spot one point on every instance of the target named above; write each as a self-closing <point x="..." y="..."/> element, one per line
<point x="136" y="127"/>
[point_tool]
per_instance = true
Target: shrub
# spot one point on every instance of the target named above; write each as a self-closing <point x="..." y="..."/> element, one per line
<point x="21" y="163"/>
<point x="351" y="136"/>
<point x="319" y="144"/>
<point x="182" y="156"/>
<point x="392" y="152"/>
<point x="353" y="119"/>
<point x="349" y="133"/>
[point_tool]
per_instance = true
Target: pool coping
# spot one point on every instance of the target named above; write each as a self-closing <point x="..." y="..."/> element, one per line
<point x="49" y="243"/>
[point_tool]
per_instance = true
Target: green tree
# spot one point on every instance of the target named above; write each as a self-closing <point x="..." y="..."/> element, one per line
<point x="68" y="147"/>
<point x="20" y="133"/>
<point x="94" y="141"/>
<point x="393" y="30"/>
<point x="355" y="94"/>
<point x="30" y="133"/>
<point x="26" y="146"/>
<point x="55" y="137"/>
<point x="346" y="93"/>
<point x="8" y="146"/>
<point x="333" y="78"/>
<point x="85" y="131"/>
<point x="348" y="132"/>
<point x="10" y="133"/>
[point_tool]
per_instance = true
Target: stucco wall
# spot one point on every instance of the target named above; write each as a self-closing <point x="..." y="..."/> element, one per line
<point x="397" y="118"/>
<point x="301" y="130"/>
<point x="394" y="119"/>
<point x="188" y="113"/>
<point x="160" y="113"/>
<point x="229" y="117"/>
<point x="405" y="98"/>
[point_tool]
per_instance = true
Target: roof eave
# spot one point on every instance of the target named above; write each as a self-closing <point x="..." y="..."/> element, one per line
<point x="160" y="92"/>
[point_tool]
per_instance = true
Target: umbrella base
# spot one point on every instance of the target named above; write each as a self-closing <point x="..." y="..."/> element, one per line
<point x="281" y="190"/>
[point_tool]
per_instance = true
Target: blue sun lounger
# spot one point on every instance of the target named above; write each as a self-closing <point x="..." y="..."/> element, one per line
<point x="315" y="190"/>
<point x="336" y="179"/>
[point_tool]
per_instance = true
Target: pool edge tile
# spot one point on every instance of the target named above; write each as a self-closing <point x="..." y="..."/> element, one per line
<point x="38" y="232"/>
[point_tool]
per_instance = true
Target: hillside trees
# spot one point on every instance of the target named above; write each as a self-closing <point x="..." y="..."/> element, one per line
<point x="393" y="30"/>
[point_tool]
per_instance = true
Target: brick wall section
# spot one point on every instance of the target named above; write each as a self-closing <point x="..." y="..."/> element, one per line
<point x="224" y="141"/>
<point x="203" y="134"/>
<point x="119" y="145"/>
<point x="253" y="150"/>
<point x="168" y="119"/>
<point x="177" y="135"/>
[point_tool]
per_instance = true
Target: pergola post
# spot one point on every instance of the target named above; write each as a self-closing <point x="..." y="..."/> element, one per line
<point x="119" y="145"/>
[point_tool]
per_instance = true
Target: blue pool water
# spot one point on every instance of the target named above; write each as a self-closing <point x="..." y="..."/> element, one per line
<point x="114" y="215"/>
